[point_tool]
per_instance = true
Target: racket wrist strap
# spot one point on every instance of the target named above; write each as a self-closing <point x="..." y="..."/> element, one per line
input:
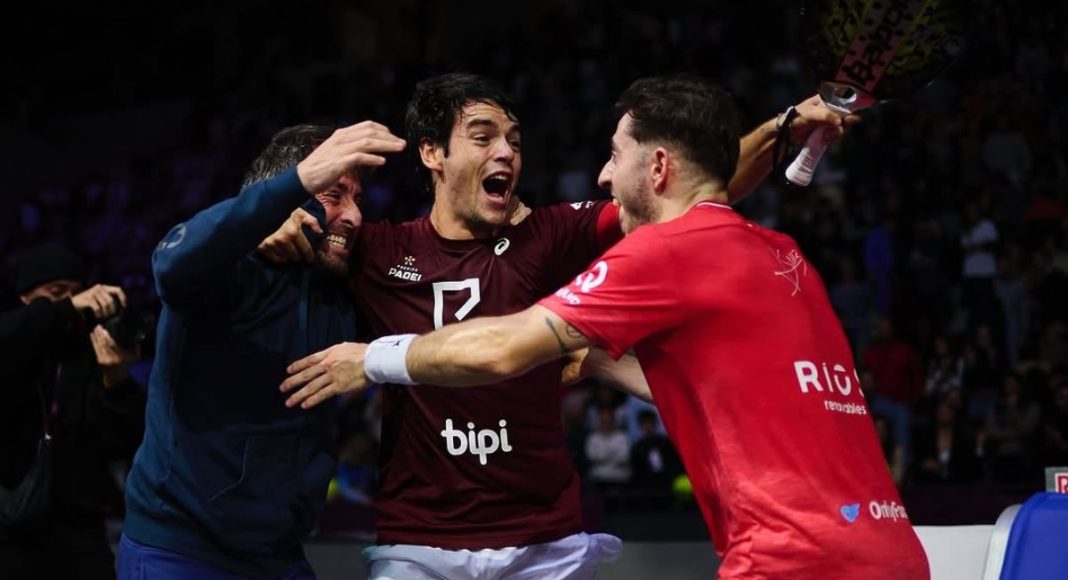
<point x="781" y="148"/>
<point x="784" y="119"/>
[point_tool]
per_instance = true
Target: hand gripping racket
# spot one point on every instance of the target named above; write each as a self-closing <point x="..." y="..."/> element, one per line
<point x="867" y="51"/>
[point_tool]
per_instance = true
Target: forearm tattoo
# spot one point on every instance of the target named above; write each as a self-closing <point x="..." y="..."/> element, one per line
<point x="570" y="331"/>
<point x="549" y="323"/>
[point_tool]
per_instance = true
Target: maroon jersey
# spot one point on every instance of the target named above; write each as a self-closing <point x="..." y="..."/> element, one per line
<point x="482" y="467"/>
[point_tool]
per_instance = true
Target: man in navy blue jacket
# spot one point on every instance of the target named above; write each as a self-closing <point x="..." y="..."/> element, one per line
<point x="228" y="482"/>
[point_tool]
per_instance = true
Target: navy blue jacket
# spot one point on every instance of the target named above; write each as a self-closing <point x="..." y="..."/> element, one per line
<point x="226" y="473"/>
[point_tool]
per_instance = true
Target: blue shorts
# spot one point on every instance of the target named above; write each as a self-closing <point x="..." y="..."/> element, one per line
<point x="140" y="562"/>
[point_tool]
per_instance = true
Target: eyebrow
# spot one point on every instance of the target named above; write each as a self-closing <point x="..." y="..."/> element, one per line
<point x="480" y="122"/>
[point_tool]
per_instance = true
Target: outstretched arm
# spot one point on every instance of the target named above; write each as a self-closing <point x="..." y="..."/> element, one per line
<point x="755" y="158"/>
<point x="475" y="352"/>
<point x="194" y="256"/>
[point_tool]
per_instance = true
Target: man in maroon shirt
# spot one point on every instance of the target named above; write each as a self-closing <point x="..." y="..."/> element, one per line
<point x="485" y="468"/>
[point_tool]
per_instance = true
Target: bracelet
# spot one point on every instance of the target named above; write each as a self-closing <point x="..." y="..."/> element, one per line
<point x="785" y="118"/>
<point x="385" y="363"/>
<point x="781" y="148"/>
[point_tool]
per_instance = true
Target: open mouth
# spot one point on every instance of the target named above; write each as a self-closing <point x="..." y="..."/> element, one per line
<point x="496" y="186"/>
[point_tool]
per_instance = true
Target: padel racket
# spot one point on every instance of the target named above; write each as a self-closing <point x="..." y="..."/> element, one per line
<point x="867" y="51"/>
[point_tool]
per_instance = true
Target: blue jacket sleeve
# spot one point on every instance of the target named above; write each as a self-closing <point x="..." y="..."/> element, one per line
<point x="196" y="260"/>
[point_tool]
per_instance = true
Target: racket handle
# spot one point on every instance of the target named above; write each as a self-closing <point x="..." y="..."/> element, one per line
<point x="800" y="171"/>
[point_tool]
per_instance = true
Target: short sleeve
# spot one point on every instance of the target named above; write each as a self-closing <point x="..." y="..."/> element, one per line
<point x="576" y="233"/>
<point x="626" y="296"/>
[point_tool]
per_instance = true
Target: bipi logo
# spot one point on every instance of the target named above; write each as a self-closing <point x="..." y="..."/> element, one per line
<point x="481" y="443"/>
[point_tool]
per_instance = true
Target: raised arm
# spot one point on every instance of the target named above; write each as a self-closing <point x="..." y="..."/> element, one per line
<point x="474" y="352"/>
<point x="755" y="158"/>
<point x="194" y="256"/>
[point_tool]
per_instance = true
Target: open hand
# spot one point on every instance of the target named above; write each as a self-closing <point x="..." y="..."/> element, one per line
<point x="325" y="374"/>
<point x="362" y="144"/>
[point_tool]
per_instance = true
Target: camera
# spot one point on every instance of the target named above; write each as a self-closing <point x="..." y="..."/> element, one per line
<point x="126" y="327"/>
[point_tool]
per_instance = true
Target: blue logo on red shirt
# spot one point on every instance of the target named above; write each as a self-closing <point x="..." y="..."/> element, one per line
<point x="850" y="512"/>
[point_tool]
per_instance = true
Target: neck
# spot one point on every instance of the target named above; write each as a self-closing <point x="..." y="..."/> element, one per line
<point x="450" y="226"/>
<point x="675" y="204"/>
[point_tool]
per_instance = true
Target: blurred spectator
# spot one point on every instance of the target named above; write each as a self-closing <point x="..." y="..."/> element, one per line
<point x="983" y="365"/>
<point x="947" y="452"/>
<point x="852" y="302"/>
<point x="654" y="461"/>
<point x="945" y="370"/>
<point x="70" y="410"/>
<point x="605" y="396"/>
<point x="979" y="242"/>
<point x="633" y="408"/>
<point x="888" y="430"/>
<point x="608" y="451"/>
<point x="898" y="375"/>
<point x="575" y="431"/>
<point x="1010" y="427"/>
<point x="1015" y="304"/>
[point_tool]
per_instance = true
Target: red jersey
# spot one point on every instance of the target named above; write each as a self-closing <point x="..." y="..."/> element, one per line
<point x="757" y="388"/>
<point x="483" y="467"/>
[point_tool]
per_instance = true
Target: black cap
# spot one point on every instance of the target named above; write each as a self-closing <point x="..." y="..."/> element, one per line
<point x="46" y="263"/>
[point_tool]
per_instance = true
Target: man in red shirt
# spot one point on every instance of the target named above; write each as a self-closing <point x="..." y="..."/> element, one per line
<point x="734" y="332"/>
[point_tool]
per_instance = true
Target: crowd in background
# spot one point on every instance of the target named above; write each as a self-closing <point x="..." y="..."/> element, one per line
<point x="939" y="224"/>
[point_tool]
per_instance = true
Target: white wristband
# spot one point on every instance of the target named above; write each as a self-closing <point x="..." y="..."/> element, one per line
<point x="384" y="362"/>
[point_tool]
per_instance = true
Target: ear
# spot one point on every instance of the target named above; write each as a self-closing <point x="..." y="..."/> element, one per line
<point x="659" y="168"/>
<point x="432" y="155"/>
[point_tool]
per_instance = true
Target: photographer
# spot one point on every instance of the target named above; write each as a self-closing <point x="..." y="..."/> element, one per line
<point x="70" y="409"/>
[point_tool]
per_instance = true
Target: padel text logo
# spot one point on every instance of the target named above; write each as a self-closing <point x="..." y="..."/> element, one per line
<point x="481" y="443"/>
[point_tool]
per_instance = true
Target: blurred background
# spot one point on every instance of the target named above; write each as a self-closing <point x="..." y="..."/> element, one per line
<point x="939" y="224"/>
